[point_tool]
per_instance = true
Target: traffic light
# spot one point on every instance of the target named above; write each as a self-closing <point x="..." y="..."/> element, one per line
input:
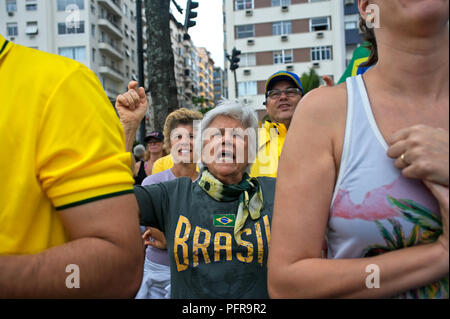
<point x="235" y="59"/>
<point x="190" y="15"/>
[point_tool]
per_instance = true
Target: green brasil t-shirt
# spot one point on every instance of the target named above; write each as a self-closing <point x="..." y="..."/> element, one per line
<point x="205" y="259"/>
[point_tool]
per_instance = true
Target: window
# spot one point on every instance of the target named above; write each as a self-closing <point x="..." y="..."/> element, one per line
<point x="63" y="4"/>
<point x="245" y="31"/>
<point x="350" y="25"/>
<point x="277" y="3"/>
<point x="321" y="53"/>
<point x="12" y="29"/>
<point x="93" y="54"/>
<point x="64" y="28"/>
<point x="283" y="57"/>
<point x="283" y="27"/>
<point x="32" y="28"/>
<point x="248" y="88"/>
<point x="319" y="24"/>
<point x="244" y="4"/>
<point x="75" y="53"/>
<point x="93" y="30"/>
<point x="124" y="9"/>
<point x="248" y="59"/>
<point x="11" y="5"/>
<point x="31" y="5"/>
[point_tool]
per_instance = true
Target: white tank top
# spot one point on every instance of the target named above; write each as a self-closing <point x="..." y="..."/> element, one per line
<point x="374" y="208"/>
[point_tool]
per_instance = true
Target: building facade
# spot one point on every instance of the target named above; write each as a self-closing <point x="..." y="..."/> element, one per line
<point x="98" y="33"/>
<point x="220" y="91"/>
<point x="273" y="35"/>
<point x="353" y="37"/>
<point x="206" y="77"/>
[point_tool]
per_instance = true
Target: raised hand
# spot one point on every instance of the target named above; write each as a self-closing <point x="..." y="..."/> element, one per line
<point x="132" y="106"/>
<point x="328" y="81"/>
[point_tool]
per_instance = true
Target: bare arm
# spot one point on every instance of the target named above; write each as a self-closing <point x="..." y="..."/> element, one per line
<point x="104" y="243"/>
<point x="305" y="182"/>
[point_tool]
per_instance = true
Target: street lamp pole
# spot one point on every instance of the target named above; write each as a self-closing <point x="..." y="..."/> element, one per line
<point x="140" y="57"/>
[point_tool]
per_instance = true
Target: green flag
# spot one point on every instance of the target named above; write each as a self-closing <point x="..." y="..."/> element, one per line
<point x="360" y="55"/>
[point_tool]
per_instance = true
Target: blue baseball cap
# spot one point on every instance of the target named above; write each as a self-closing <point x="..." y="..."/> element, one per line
<point x="283" y="76"/>
<point x="157" y="135"/>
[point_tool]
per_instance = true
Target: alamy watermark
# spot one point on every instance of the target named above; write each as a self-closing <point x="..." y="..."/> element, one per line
<point x="373" y="16"/>
<point x="73" y="18"/>
<point x="73" y="279"/>
<point x="373" y="280"/>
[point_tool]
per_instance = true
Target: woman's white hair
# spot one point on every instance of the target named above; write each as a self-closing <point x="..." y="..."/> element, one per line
<point x="234" y="109"/>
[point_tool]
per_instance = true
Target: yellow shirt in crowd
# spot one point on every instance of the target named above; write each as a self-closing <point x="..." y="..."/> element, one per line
<point x="162" y="164"/>
<point x="270" y="143"/>
<point x="61" y="142"/>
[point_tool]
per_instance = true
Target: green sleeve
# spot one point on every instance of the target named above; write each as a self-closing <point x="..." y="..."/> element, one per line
<point x="153" y="202"/>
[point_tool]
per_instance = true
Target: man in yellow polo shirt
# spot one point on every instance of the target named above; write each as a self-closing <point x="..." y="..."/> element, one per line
<point x="283" y="92"/>
<point x="68" y="216"/>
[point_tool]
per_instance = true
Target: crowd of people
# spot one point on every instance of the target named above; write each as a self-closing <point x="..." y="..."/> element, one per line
<point x="338" y="179"/>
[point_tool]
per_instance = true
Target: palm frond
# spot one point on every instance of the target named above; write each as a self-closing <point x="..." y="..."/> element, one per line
<point x="390" y="241"/>
<point x="398" y="233"/>
<point x="421" y="210"/>
<point x="413" y="237"/>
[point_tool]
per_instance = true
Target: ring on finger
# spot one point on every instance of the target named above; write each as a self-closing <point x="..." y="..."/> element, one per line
<point x="402" y="157"/>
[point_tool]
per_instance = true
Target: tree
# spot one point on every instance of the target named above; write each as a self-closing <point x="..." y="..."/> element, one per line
<point x="310" y="81"/>
<point x="160" y="61"/>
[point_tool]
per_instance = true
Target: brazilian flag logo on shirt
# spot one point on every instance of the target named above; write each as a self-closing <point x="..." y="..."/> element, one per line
<point x="224" y="220"/>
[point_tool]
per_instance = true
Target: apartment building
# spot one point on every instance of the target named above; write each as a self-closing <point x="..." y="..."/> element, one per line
<point x="206" y="76"/>
<point x="187" y="65"/>
<point x="273" y="35"/>
<point x="353" y="37"/>
<point x="220" y="91"/>
<point x="98" y="33"/>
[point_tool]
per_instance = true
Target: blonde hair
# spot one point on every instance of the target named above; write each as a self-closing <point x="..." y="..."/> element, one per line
<point x="180" y="116"/>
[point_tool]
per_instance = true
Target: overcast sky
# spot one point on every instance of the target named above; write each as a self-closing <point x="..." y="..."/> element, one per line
<point x="208" y="32"/>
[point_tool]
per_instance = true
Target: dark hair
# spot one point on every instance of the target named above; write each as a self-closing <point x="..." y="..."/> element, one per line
<point x="369" y="36"/>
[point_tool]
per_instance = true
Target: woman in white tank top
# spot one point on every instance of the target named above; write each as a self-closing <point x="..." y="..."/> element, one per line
<point x="385" y="233"/>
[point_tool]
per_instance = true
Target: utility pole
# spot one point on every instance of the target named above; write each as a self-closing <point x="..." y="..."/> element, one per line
<point x="140" y="56"/>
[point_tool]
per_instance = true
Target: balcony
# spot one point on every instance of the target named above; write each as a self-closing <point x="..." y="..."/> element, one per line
<point x="109" y="26"/>
<point x="114" y="6"/>
<point x="111" y="73"/>
<point x="110" y="50"/>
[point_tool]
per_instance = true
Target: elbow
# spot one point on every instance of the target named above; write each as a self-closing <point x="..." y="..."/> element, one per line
<point x="278" y="285"/>
<point x="133" y="282"/>
<point x="128" y="272"/>
<point x="133" y="269"/>
<point x="289" y="282"/>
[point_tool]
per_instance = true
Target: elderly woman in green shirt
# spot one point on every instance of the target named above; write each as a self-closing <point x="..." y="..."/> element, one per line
<point x="217" y="227"/>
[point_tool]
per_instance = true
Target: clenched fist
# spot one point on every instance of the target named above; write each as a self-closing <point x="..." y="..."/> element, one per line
<point x="132" y="106"/>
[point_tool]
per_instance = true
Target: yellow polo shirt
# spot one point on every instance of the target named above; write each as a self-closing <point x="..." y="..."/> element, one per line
<point x="270" y="143"/>
<point x="162" y="164"/>
<point x="61" y="142"/>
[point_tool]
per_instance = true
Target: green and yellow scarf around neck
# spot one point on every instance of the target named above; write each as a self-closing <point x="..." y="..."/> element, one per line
<point x="248" y="192"/>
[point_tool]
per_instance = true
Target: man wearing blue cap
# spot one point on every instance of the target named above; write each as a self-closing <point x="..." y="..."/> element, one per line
<point x="283" y="92"/>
